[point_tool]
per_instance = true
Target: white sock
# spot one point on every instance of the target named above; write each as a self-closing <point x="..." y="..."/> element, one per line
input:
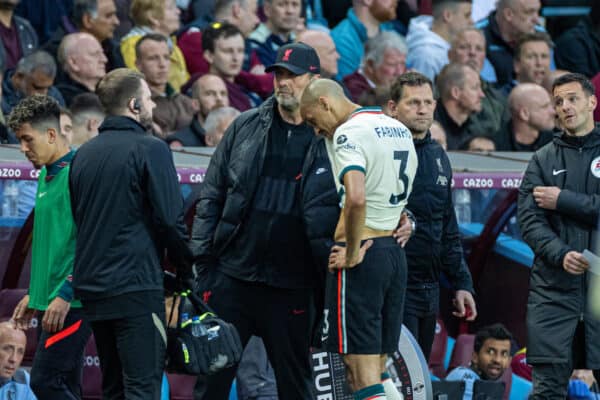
<point x="391" y="391"/>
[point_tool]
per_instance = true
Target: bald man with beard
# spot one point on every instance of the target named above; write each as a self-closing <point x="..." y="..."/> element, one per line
<point x="532" y="120"/>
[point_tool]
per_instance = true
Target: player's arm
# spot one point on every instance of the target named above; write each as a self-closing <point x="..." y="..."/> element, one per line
<point x="354" y="212"/>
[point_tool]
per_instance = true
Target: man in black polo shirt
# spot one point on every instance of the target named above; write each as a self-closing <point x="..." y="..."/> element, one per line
<point x="263" y="227"/>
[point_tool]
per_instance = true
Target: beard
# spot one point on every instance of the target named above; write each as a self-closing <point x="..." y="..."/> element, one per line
<point x="146" y="119"/>
<point x="288" y="103"/>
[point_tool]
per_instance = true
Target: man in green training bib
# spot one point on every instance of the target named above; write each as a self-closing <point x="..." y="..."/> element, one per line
<point x="57" y="365"/>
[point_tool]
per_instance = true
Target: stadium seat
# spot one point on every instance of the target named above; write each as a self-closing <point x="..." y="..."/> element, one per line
<point x="463" y="350"/>
<point x="181" y="386"/>
<point x="9" y="298"/>
<point x="521" y="388"/>
<point x="438" y="350"/>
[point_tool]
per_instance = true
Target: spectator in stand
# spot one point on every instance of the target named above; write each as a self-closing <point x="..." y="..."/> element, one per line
<point x="491" y="357"/>
<point x="578" y="48"/>
<point x="283" y="17"/>
<point x="460" y="93"/>
<point x="211" y="93"/>
<point x="217" y="122"/>
<point x="532" y="120"/>
<point x="479" y="144"/>
<point x="87" y="116"/>
<point x="503" y="27"/>
<point x="363" y="21"/>
<point x="84" y="63"/>
<point x="241" y="13"/>
<point x="429" y="37"/>
<point x="223" y="45"/>
<point x="173" y="110"/>
<point x="383" y="61"/>
<point x="17" y="35"/>
<point x="468" y="47"/>
<point x="323" y="44"/>
<point x="44" y="15"/>
<point x="156" y="16"/>
<point x="66" y="124"/>
<point x="14" y="380"/>
<point x="99" y="19"/>
<point x="531" y="60"/>
<point x="34" y="74"/>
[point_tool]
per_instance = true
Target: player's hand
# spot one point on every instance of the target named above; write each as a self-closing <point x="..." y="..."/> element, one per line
<point x="404" y="230"/>
<point x="465" y="305"/>
<point x="339" y="260"/>
<point x="22" y="314"/>
<point x="546" y="196"/>
<point x="54" y="317"/>
<point x="575" y="263"/>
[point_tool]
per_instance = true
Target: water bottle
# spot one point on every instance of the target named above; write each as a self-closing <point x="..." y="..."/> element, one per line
<point x="198" y="329"/>
<point x="10" y="205"/>
<point x="462" y="206"/>
<point x="185" y="319"/>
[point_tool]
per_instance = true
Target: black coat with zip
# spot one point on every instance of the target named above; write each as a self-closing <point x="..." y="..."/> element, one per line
<point x="435" y="245"/>
<point x="557" y="299"/>
<point x="228" y="190"/>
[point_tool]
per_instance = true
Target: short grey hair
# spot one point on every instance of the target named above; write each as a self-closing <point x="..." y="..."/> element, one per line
<point x="217" y="116"/>
<point x="38" y="60"/>
<point x="376" y="46"/>
<point x="82" y="7"/>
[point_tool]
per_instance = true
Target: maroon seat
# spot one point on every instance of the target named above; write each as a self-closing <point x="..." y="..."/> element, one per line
<point x="438" y="350"/>
<point x="181" y="386"/>
<point x="462" y="352"/>
<point x="92" y="376"/>
<point x="9" y="298"/>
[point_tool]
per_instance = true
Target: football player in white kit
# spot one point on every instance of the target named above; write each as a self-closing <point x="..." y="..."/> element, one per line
<point x="374" y="162"/>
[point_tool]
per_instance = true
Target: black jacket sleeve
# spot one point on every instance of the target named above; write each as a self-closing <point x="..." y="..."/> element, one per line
<point x="452" y="259"/>
<point x="166" y="203"/>
<point x="211" y="200"/>
<point x="580" y="206"/>
<point x="533" y="222"/>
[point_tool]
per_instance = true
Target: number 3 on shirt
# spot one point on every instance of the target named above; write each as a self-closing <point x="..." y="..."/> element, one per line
<point x="403" y="157"/>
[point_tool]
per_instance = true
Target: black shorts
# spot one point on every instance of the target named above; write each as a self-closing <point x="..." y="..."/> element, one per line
<point x="364" y="305"/>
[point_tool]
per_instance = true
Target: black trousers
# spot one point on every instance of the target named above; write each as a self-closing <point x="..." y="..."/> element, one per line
<point x="283" y="318"/>
<point x="132" y="354"/>
<point x="420" y="313"/>
<point x="58" y="363"/>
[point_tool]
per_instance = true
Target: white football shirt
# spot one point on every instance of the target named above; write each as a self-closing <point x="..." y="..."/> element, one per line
<point x="383" y="149"/>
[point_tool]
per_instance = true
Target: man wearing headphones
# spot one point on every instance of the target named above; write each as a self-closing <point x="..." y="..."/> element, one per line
<point x="128" y="210"/>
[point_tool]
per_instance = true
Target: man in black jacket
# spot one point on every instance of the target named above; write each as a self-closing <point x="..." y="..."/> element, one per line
<point x="264" y="226"/>
<point x="128" y="209"/>
<point x="435" y="246"/>
<point x="559" y="202"/>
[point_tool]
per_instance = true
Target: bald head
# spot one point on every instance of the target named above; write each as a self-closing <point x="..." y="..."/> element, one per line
<point x="522" y="94"/>
<point x="81" y="56"/>
<point x="322" y="88"/>
<point x="325" y="106"/>
<point x="530" y="104"/>
<point x="12" y="349"/>
<point x="211" y="93"/>
<point x="325" y="48"/>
